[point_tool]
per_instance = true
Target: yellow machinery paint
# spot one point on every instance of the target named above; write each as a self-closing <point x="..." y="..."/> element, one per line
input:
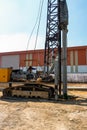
<point x="5" y="74"/>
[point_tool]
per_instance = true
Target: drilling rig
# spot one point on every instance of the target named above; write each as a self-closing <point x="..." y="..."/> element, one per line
<point x="57" y="21"/>
<point x="56" y="31"/>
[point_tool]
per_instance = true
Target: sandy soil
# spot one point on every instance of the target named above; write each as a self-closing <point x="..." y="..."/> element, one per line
<point x="44" y="115"/>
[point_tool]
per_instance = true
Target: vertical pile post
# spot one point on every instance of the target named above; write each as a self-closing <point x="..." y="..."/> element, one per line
<point x="57" y="20"/>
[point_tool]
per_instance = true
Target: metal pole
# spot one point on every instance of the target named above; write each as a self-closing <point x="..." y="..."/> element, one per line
<point x="59" y="50"/>
<point x="64" y="38"/>
<point x="56" y="77"/>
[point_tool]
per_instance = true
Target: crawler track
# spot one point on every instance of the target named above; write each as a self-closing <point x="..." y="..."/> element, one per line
<point x="29" y="90"/>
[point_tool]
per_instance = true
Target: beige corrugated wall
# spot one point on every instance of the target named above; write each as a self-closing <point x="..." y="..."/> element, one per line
<point x="28" y="60"/>
<point x="76" y="61"/>
<point x="71" y="61"/>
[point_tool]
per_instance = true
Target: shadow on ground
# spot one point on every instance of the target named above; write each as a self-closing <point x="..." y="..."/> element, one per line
<point x="72" y="100"/>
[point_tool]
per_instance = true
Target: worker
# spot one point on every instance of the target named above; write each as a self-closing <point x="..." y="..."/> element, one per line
<point x="29" y="74"/>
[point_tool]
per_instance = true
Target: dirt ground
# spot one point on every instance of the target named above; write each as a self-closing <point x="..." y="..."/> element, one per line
<point x="70" y="114"/>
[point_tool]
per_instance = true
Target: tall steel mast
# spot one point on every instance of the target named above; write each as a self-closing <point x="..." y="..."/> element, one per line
<point x="57" y="20"/>
<point x="52" y="31"/>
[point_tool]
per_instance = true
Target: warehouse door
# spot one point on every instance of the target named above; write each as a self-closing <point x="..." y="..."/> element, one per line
<point x="10" y="61"/>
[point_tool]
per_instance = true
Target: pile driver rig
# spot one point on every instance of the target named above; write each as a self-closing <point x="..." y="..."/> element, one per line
<point x="56" y="33"/>
<point x="57" y="21"/>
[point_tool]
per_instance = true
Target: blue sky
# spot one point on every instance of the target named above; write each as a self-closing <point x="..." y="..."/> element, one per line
<point x="17" y="18"/>
<point x="77" y="35"/>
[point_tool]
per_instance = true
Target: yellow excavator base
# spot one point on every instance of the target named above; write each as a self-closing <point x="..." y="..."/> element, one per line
<point x="27" y="94"/>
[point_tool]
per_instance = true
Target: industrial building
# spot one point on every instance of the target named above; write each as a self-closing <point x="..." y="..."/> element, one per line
<point x="76" y="59"/>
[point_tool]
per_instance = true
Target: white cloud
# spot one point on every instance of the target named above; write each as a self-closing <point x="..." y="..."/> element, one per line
<point x="16" y="22"/>
<point x="17" y="42"/>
